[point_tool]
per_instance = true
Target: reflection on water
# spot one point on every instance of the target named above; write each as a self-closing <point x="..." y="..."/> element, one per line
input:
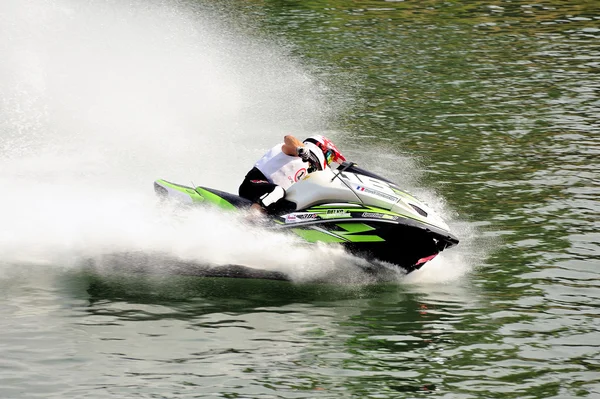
<point x="317" y="337"/>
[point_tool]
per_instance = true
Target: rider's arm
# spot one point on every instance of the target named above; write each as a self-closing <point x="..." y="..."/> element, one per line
<point x="290" y="145"/>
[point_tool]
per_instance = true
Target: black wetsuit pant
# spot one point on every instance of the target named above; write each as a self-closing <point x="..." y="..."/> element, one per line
<point x="255" y="185"/>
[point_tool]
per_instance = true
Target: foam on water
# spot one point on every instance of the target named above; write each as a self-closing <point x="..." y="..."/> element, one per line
<point x="99" y="99"/>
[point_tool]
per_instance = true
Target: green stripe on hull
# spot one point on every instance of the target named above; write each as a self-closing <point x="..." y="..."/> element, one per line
<point x="320" y="209"/>
<point x="355" y="227"/>
<point x="352" y="230"/>
<point x="350" y="235"/>
<point x="196" y="197"/>
<point x="214" y="199"/>
<point x="199" y="195"/>
<point x="311" y="235"/>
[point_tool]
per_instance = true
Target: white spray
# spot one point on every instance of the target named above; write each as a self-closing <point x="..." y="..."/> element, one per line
<point x="98" y="99"/>
<point x="101" y="98"/>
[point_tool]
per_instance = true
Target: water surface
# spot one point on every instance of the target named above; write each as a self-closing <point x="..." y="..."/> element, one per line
<point x="487" y="111"/>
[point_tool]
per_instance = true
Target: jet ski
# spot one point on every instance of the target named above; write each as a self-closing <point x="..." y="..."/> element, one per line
<point x="368" y="214"/>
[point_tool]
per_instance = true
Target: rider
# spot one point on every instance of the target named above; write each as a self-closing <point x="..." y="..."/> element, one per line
<point x="282" y="166"/>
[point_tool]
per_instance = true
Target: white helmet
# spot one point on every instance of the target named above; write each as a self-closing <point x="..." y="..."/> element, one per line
<point x="324" y="149"/>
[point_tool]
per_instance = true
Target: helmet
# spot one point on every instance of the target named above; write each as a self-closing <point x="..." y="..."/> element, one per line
<point x="328" y="150"/>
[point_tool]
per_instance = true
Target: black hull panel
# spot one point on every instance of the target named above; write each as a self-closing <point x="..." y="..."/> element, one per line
<point x="405" y="243"/>
<point x="406" y="247"/>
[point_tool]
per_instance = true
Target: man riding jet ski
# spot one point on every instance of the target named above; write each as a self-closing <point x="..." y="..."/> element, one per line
<point x="369" y="215"/>
<point x="283" y="165"/>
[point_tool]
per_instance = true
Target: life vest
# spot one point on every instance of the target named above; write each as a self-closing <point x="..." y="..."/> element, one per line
<point x="280" y="168"/>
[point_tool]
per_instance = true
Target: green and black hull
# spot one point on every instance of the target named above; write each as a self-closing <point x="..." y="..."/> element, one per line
<point x="370" y="232"/>
<point x="377" y="234"/>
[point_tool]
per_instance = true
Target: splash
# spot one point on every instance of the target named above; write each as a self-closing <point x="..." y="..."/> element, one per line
<point x="99" y="99"/>
<point x="121" y="92"/>
<point x="408" y="172"/>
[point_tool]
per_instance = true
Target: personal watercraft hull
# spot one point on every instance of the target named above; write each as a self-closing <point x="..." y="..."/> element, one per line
<point x="367" y="231"/>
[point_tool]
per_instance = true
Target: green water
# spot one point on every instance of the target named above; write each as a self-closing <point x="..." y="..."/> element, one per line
<point x="495" y="106"/>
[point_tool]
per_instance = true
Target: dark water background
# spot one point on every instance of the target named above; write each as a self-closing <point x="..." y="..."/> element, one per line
<point x="493" y="107"/>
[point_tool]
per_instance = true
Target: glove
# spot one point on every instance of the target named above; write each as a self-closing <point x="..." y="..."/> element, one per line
<point x="314" y="163"/>
<point x="303" y="153"/>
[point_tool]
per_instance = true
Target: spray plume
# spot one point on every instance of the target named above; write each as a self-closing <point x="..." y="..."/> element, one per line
<point x="98" y="99"/>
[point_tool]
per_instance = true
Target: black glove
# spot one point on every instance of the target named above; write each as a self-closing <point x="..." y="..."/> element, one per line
<point x="314" y="163"/>
<point x="303" y="153"/>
